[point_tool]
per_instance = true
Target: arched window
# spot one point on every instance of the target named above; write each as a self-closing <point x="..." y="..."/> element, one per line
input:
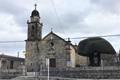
<point x="32" y="31"/>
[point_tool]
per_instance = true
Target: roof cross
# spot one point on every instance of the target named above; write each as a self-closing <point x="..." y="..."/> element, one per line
<point x="51" y="29"/>
<point x="35" y="6"/>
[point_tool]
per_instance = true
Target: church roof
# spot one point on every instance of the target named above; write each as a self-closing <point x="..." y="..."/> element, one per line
<point x="95" y="44"/>
<point x="58" y="37"/>
<point x="54" y="35"/>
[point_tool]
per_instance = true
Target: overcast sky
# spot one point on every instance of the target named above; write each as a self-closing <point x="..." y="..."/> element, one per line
<point x="68" y="18"/>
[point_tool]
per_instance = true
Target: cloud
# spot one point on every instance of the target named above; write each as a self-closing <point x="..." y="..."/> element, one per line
<point x="108" y="23"/>
<point x="10" y="31"/>
<point x="79" y="17"/>
<point x="85" y="18"/>
<point x="111" y="6"/>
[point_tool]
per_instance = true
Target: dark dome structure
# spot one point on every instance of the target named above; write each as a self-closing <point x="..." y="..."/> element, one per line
<point x="35" y="13"/>
<point x="95" y="44"/>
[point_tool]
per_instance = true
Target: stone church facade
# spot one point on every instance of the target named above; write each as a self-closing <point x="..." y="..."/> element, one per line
<point x="60" y="53"/>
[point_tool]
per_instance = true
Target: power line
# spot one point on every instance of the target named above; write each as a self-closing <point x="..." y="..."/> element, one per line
<point x="11" y="41"/>
<point x="116" y="35"/>
<point x="36" y="1"/>
<point x="97" y="36"/>
<point x="47" y="21"/>
<point x="60" y="23"/>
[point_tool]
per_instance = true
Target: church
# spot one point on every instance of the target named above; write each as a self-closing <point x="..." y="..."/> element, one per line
<point x="61" y="53"/>
<point x="94" y="51"/>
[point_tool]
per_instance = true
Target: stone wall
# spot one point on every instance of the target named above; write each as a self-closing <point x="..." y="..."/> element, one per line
<point x="73" y="73"/>
<point x="86" y="73"/>
<point x="8" y="74"/>
<point x="108" y="59"/>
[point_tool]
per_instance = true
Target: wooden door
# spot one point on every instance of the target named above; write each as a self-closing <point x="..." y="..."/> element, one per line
<point x="52" y="62"/>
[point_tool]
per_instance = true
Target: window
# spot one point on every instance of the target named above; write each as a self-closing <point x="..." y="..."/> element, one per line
<point x="31" y="64"/>
<point x="32" y="27"/>
<point x="11" y="64"/>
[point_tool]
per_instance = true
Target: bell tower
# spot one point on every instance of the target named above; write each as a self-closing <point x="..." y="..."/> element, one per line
<point x="34" y="37"/>
<point x="34" y="26"/>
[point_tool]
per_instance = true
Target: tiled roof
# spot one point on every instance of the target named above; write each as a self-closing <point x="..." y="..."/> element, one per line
<point x="12" y="58"/>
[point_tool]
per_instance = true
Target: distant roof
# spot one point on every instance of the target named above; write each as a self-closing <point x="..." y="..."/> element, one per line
<point x="12" y="58"/>
<point x="95" y="44"/>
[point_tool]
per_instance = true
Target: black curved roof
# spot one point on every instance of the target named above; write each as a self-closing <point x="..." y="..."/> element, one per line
<point x="95" y="44"/>
<point x="35" y="13"/>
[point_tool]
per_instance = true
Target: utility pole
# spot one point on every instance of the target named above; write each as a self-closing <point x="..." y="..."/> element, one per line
<point x="48" y="68"/>
<point x="18" y="54"/>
